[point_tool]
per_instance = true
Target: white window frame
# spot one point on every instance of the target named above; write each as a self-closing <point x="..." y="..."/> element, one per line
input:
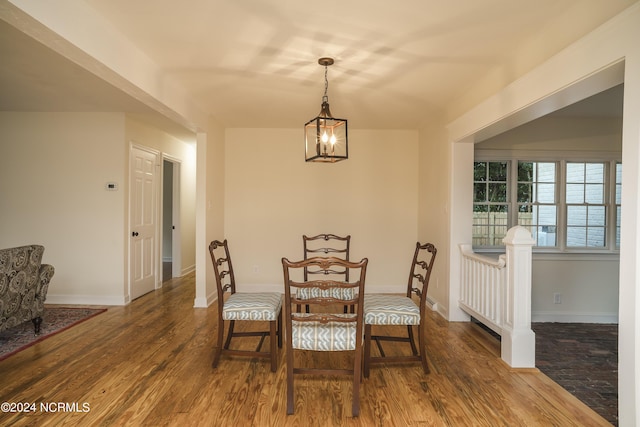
<point x="561" y="158"/>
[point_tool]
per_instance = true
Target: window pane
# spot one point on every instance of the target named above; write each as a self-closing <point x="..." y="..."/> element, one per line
<point x="595" y="237"/>
<point x="575" y="172"/>
<point x="596" y="216"/>
<point x="497" y="192"/>
<point x="525" y="193"/>
<point x="525" y="171"/>
<point x="490" y="224"/>
<point x="545" y="236"/>
<point x="594" y="172"/>
<point x="497" y="171"/>
<point x="575" y="193"/>
<point x="546" y="193"/>
<point x="499" y="208"/>
<point x="480" y="208"/>
<point x="576" y="215"/>
<point x="480" y="192"/>
<point x="546" y="172"/>
<point x="594" y="193"/>
<point x="547" y="215"/>
<point x="618" y="227"/>
<point x="618" y="201"/>
<point x="618" y="183"/>
<point x="526" y="215"/>
<point x="577" y="236"/>
<point x="480" y="171"/>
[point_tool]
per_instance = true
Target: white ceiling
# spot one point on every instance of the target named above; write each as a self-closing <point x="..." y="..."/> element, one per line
<point x="253" y="63"/>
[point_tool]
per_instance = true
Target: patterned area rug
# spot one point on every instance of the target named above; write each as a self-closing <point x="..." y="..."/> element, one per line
<point x="54" y="320"/>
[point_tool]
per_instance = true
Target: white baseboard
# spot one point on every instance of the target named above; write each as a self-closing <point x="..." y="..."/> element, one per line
<point x="84" y="300"/>
<point x="188" y="270"/>
<point x="569" y="317"/>
<point x="204" y="302"/>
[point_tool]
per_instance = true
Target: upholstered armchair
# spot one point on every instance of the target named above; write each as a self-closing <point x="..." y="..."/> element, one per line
<point x="24" y="282"/>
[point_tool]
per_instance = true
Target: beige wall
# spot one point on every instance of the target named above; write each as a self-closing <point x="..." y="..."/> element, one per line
<point x="210" y="190"/>
<point x="433" y="196"/>
<point x="53" y="172"/>
<point x="54" y="169"/>
<point x="273" y="197"/>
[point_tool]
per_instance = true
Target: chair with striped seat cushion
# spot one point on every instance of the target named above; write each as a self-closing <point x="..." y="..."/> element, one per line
<point x="326" y="245"/>
<point x="396" y="310"/>
<point x="390" y="310"/>
<point x="330" y="336"/>
<point x="324" y="327"/>
<point x="236" y="306"/>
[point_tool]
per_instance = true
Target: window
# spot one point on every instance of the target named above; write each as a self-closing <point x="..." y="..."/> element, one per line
<point x="566" y="205"/>
<point x="490" y="208"/>
<point x="586" y="210"/>
<point x="537" y="207"/>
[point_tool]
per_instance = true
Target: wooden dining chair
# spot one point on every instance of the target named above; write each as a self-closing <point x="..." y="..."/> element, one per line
<point x="325" y="245"/>
<point x="396" y="310"/>
<point x="324" y="328"/>
<point x="236" y="306"/>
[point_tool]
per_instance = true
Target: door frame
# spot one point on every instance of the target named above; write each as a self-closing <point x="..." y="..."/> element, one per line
<point x="176" y="238"/>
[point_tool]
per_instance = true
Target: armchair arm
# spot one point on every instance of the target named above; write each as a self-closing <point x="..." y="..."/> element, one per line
<point x="46" y="273"/>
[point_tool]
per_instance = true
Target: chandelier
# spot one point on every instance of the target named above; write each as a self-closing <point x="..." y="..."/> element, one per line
<point x="325" y="136"/>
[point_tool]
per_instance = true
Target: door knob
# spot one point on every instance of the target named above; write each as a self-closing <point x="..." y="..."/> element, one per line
<point x="134" y="234"/>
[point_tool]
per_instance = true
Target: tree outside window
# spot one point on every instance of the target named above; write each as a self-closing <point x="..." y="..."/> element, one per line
<point x="490" y="204"/>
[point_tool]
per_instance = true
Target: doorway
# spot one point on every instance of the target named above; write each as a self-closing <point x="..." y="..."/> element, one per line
<point x="171" y="264"/>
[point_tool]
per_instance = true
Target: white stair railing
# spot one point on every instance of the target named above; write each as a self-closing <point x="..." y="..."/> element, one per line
<point x="483" y="286"/>
<point x="497" y="292"/>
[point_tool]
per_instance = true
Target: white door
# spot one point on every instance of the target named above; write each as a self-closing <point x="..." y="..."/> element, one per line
<point x="143" y="222"/>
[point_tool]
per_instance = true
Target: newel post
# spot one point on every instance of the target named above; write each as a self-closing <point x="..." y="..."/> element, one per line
<point x="518" y="347"/>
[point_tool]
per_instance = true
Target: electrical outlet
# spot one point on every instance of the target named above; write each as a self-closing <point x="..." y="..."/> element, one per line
<point x="557" y="298"/>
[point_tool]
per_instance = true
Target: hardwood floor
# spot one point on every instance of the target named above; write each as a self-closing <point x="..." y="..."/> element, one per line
<point x="149" y="363"/>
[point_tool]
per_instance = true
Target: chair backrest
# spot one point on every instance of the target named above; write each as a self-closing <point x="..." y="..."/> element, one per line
<point x="326" y="245"/>
<point x="222" y="268"/>
<point x="332" y="295"/>
<point x="421" y="266"/>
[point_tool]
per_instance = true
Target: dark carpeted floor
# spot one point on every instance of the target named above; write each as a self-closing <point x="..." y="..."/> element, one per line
<point x="583" y="359"/>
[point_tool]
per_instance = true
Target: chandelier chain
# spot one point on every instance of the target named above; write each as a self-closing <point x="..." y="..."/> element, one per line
<point x="325" y="98"/>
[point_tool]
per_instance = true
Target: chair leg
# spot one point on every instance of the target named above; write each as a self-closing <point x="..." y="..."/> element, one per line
<point x="290" y="403"/>
<point x="367" y="349"/>
<point x="36" y="325"/>
<point x="423" y="351"/>
<point x="412" y="340"/>
<point x="229" y="334"/>
<point x="357" y="371"/>
<point x="272" y="344"/>
<point x="218" y="351"/>
<point x="280" y="329"/>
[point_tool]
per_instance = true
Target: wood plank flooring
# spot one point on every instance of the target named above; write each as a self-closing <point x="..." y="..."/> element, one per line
<point x="149" y="364"/>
